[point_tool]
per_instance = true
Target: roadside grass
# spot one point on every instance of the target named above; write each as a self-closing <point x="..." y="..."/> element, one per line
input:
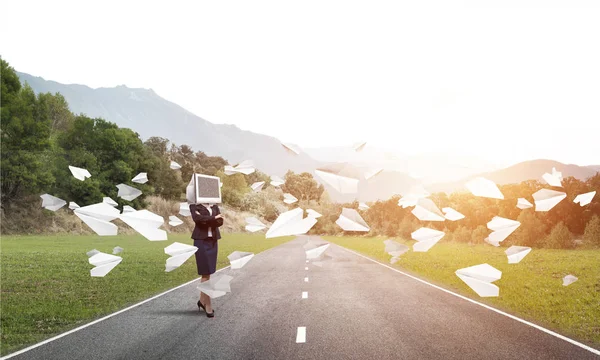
<point x="46" y="287"/>
<point x="531" y="289"/>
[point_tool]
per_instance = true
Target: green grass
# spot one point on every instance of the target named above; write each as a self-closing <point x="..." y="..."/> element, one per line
<point x="47" y="288"/>
<point x="531" y="289"/>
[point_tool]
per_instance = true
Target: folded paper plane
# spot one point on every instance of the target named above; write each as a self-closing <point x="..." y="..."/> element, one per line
<point x="553" y="179"/>
<point x="501" y="228"/>
<point x="569" y="279"/>
<point x="584" y="199"/>
<point x="315" y="251"/>
<point x="493" y="243"/>
<point x="73" y="205"/>
<point x="98" y="217"/>
<point x="140" y="178"/>
<point x="360" y="146"/>
<point x="127" y="208"/>
<point x="246" y="167"/>
<point x="311" y="212"/>
<point x="217" y="286"/>
<point x="522" y="203"/>
<point x="175" y="221"/>
<point x="412" y="197"/>
<point x="342" y="177"/>
<point x="372" y="173"/>
<point x="451" y="214"/>
<point x="350" y="220"/>
<point x="483" y="187"/>
<point x="184" y="209"/>
<point x="103" y="263"/>
<point x="79" y="173"/>
<point x="175" y="166"/>
<point x="291" y="223"/>
<point x="109" y="201"/>
<point x="395" y="249"/>
<point x="254" y="225"/>
<point x="117" y="250"/>
<point x="546" y="199"/>
<point x="480" y="278"/>
<point x="426" y="210"/>
<point x="426" y="238"/>
<point x="363" y="206"/>
<point x="238" y="259"/>
<point x="52" y="203"/>
<point x="92" y="252"/>
<point x="127" y="192"/>
<point x="257" y="186"/>
<point x="179" y="253"/>
<point x="277" y="181"/>
<point x="146" y="223"/>
<point x="291" y="148"/>
<point x="516" y="253"/>
<point x="289" y="198"/>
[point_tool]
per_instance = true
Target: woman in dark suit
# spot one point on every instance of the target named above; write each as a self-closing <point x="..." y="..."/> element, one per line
<point x="208" y="219"/>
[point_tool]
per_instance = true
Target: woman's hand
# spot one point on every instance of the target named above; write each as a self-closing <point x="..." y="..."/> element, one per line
<point x="220" y="216"/>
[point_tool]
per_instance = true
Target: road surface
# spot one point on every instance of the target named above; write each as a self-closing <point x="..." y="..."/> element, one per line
<point x="354" y="309"/>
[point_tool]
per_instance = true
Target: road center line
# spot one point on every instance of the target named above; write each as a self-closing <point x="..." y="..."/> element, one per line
<point x="301" y="334"/>
<point x="305" y="294"/>
<point x="306" y="268"/>
<point x="306" y="279"/>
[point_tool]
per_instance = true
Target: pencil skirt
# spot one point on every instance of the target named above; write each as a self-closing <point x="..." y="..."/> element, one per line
<point x="206" y="255"/>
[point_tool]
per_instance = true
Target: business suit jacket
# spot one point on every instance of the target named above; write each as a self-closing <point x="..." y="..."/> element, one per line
<point x="205" y="220"/>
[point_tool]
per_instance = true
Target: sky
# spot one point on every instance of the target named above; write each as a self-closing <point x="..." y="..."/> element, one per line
<point x="502" y="81"/>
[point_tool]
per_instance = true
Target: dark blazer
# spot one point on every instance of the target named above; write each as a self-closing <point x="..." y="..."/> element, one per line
<point x="205" y="220"/>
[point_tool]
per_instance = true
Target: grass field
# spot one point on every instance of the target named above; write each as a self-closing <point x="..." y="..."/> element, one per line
<point x="47" y="289"/>
<point x="531" y="289"/>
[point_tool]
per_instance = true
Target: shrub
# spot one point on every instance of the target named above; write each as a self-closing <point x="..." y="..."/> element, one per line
<point x="462" y="234"/>
<point x="559" y="238"/>
<point x="478" y="235"/>
<point x="591" y="235"/>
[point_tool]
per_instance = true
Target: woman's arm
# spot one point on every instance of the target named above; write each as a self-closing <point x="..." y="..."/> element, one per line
<point x="199" y="219"/>
<point x="219" y="221"/>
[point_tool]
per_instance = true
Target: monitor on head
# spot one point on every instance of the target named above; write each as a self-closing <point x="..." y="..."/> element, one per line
<point x="204" y="189"/>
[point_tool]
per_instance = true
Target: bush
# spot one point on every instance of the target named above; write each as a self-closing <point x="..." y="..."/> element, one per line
<point x="591" y="235"/>
<point x="478" y="235"/>
<point x="462" y="234"/>
<point x="559" y="238"/>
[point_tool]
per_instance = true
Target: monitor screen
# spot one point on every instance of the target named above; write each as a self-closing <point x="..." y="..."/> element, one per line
<point x="204" y="189"/>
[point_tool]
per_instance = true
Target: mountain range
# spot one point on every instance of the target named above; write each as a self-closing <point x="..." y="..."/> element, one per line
<point x="148" y="114"/>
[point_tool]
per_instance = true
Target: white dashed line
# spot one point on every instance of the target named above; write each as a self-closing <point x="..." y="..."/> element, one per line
<point x="307" y="261"/>
<point x="305" y="279"/>
<point x="301" y="335"/>
<point x="305" y="294"/>
<point x="306" y="268"/>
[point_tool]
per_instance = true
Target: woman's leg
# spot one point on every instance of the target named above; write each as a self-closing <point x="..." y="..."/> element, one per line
<point x="205" y="299"/>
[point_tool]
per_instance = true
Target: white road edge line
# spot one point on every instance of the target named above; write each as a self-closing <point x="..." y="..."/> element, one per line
<point x="305" y="279"/>
<point x="101" y="319"/>
<point x="301" y="335"/>
<point x="305" y="294"/>
<point x="549" y="332"/>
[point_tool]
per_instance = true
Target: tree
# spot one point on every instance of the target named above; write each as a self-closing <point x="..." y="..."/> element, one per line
<point x="591" y="236"/>
<point x="559" y="238"/>
<point x="531" y="232"/>
<point x="303" y="186"/>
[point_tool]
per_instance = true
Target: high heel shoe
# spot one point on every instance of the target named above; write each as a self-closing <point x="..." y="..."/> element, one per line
<point x="200" y="305"/>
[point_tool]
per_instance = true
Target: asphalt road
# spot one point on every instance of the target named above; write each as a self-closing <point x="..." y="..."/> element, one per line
<point x="356" y="309"/>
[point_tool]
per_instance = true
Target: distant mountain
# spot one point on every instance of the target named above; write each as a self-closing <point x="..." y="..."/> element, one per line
<point x="594" y="167"/>
<point x="527" y="170"/>
<point x="146" y="113"/>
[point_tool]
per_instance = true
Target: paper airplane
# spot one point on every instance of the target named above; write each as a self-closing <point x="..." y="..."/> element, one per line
<point x="311" y="212"/>
<point x="175" y="221"/>
<point x="314" y="251"/>
<point x="483" y="187"/>
<point x="426" y="210"/>
<point x="342" y="177"/>
<point x="350" y="220"/>
<point x="395" y="249"/>
<point x="184" y="209"/>
<point x="363" y="206"/>
<point x="146" y="223"/>
<point x="553" y="179"/>
<point x="359" y="146"/>
<point x="127" y="192"/>
<point x="584" y="199"/>
<point x="522" y="203"/>
<point x="289" y="198"/>
<point x="238" y="259"/>
<point x="98" y="217"/>
<point x="291" y="148"/>
<point x="103" y="263"/>
<point x="246" y="167"/>
<point x="277" y="181"/>
<point x="291" y="223"/>
<point x="179" y="253"/>
<point x="92" y="252"/>
<point x="79" y="173"/>
<point x="493" y="243"/>
<point x="257" y="186"/>
<point x="426" y="238"/>
<point x="127" y="208"/>
<point x="175" y="166"/>
<point x="413" y="196"/>
<point x="569" y="279"/>
<point x="109" y="201"/>
<point x="217" y="286"/>
<point x="73" y="205"/>
<point x="372" y="173"/>
<point x="516" y="253"/>
<point x="501" y="228"/>
<point x="140" y="178"/>
<point x="52" y="203"/>
<point x="117" y="250"/>
<point x="480" y="278"/>
<point x="546" y="199"/>
<point x="254" y="225"/>
<point x="452" y="214"/>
